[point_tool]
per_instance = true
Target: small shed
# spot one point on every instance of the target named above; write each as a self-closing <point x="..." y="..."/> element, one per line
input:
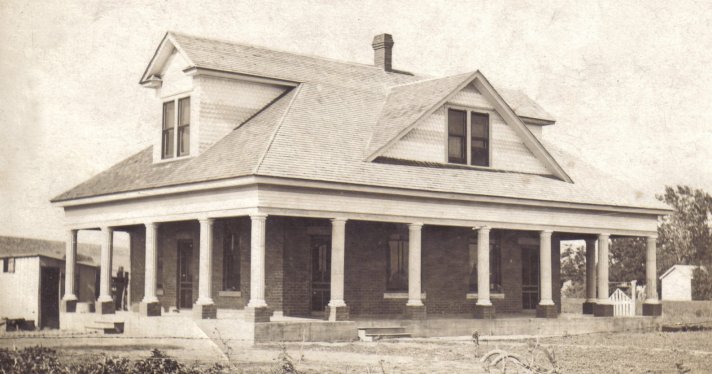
<point x="32" y="279"/>
<point x="677" y="283"/>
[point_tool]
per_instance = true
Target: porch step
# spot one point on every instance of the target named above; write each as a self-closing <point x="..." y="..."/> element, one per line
<point x="107" y="327"/>
<point x="370" y="334"/>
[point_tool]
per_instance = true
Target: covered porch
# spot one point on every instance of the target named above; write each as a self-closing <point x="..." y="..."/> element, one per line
<point x="275" y="266"/>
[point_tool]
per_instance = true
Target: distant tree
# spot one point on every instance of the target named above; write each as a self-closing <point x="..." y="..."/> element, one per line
<point x="573" y="269"/>
<point x="685" y="236"/>
<point x="627" y="259"/>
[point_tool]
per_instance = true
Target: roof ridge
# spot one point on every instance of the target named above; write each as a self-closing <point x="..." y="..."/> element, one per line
<point x="431" y="79"/>
<point x="250" y="45"/>
<point x="276" y="130"/>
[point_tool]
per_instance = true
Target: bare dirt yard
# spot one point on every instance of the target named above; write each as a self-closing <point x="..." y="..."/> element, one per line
<point x="654" y="352"/>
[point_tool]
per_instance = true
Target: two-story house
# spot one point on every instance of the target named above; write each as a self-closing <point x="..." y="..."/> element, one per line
<point x="293" y="185"/>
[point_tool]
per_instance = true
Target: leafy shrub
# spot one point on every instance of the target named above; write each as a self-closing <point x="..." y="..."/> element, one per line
<point x="36" y="360"/>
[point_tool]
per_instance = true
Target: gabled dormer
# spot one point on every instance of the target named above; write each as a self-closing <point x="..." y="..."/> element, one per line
<point x="462" y="121"/>
<point x="198" y="105"/>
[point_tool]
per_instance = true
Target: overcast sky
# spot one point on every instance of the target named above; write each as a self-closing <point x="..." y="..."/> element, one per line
<point x="629" y="85"/>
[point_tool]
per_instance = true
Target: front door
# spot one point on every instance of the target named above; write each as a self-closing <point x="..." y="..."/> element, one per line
<point x="530" y="277"/>
<point x="185" y="273"/>
<point x="321" y="271"/>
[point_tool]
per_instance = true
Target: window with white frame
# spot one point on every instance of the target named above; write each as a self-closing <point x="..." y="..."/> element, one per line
<point x="468" y="137"/>
<point x="176" y="128"/>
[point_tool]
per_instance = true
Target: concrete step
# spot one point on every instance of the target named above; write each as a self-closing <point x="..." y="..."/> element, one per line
<point x="107" y="327"/>
<point x="370" y="334"/>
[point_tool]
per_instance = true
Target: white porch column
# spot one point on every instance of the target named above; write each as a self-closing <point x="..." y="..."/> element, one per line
<point x="483" y="267"/>
<point x="150" y="305"/>
<point x="69" y="299"/>
<point x="257" y="261"/>
<point x="149" y="287"/>
<point x="338" y="239"/>
<point x="337" y="309"/>
<point x="546" y="307"/>
<point x="414" y="308"/>
<point x="414" y="264"/>
<point x="603" y="307"/>
<point x="590" y="276"/>
<point x="206" y="262"/>
<point x="70" y="263"/>
<point x="483" y="307"/>
<point x="652" y="305"/>
<point x="545" y="268"/>
<point x="105" y="303"/>
<point x="204" y="307"/>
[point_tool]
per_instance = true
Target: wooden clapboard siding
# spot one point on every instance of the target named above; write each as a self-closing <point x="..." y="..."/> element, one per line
<point x="174" y="80"/>
<point x="427" y="141"/>
<point x="223" y="104"/>
<point x="424" y="143"/>
<point x="20" y="290"/>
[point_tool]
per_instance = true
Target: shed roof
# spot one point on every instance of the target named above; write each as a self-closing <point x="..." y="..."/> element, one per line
<point x="12" y="246"/>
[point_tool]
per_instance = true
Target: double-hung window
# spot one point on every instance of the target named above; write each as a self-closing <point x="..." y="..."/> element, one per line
<point x="468" y="137"/>
<point x="176" y="128"/>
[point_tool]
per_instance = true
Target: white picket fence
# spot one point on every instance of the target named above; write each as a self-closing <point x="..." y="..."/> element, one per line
<point x="623" y="305"/>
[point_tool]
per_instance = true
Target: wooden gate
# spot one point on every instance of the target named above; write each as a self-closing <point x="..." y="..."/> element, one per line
<point x="623" y="305"/>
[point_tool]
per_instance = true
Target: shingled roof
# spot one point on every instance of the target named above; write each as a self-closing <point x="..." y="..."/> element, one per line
<point x="12" y="246"/>
<point x="323" y="129"/>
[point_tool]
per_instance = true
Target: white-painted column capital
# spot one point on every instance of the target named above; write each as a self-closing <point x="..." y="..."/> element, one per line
<point x="338" y="251"/>
<point x="149" y="294"/>
<point x="414" y="264"/>
<point x="483" y="266"/>
<point x="651" y="278"/>
<point x="257" y="260"/>
<point x="602" y="275"/>
<point x="206" y="262"/>
<point x="545" y="267"/>
<point x="107" y="243"/>
<point x="70" y="264"/>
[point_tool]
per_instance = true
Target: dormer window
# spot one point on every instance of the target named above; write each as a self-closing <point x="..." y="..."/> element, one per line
<point x="176" y="129"/>
<point x="468" y="137"/>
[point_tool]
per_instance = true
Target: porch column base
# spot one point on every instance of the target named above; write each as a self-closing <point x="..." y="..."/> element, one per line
<point x="546" y="311"/>
<point x="105" y="307"/>
<point x="484" y="311"/>
<point x="588" y="307"/>
<point x="205" y="311"/>
<point x="415" y="312"/>
<point x="337" y="313"/>
<point x="150" y="309"/>
<point x="603" y="310"/>
<point x="68" y="306"/>
<point x="653" y="309"/>
<point x="257" y="314"/>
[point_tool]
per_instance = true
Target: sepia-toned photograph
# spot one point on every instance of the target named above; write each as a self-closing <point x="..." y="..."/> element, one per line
<point x="379" y="187"/>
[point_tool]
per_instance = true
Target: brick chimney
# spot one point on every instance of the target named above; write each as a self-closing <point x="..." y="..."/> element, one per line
<point x="383" y="51"/>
